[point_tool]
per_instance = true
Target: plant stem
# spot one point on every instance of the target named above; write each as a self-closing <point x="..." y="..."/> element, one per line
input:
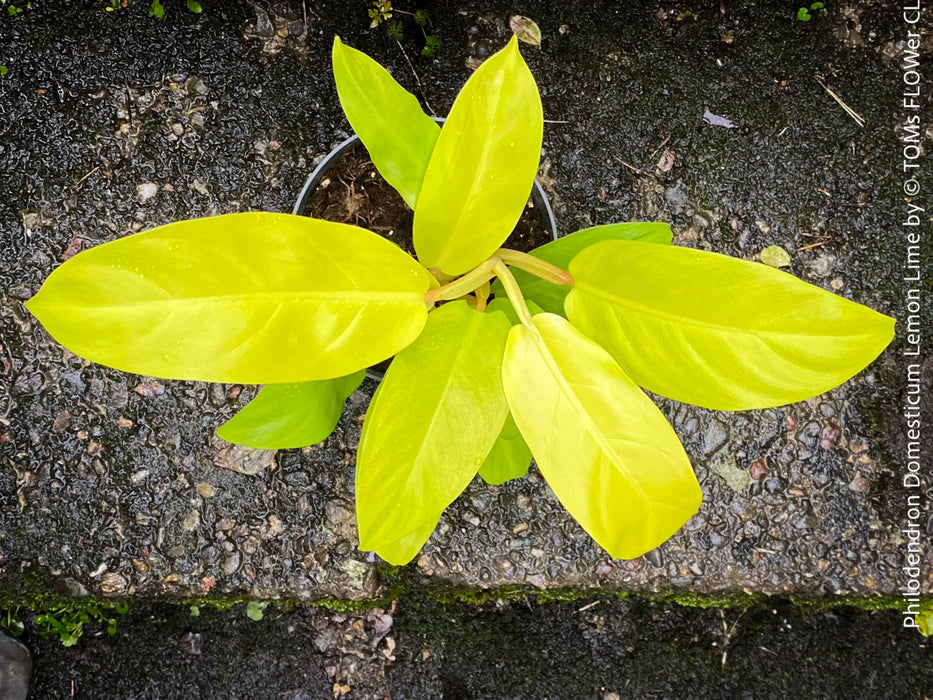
<point x="482" y="296"/>
<point x="463" y="285"/>
<point x="514" y="292"/>
<point x="535" y="266"/>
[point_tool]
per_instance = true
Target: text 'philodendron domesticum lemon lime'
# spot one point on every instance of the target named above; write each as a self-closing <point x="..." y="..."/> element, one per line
<point x="551" y="367"/>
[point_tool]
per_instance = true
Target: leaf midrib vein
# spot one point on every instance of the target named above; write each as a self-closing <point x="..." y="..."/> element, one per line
<point x="690" y="321"/>
<point x="564" y="387"/>
<point x="298" y="297"/>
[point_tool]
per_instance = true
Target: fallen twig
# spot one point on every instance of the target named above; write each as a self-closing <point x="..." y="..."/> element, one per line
<point x="851" y="112"/>
<point x="663" y="144"/>
<point x="632" y="167"/>
<point x="814" y="245"/>
<point x="87" y="176"/>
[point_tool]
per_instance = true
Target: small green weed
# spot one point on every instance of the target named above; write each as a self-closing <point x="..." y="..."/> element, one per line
<point x="14" y="10"/>
<point x="805" y="15"/>
<point x="255" y="608"/>
<point x="382" y="11"/>
<point x="12" y="622"/>
<point x="67" y="621"/>
<point x="158" y="11"/>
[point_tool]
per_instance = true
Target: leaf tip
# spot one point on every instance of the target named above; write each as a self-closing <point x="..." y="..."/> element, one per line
<point x="390" y="556"/>
<point x="35" y="304"/>
<point x="512" y="47"/>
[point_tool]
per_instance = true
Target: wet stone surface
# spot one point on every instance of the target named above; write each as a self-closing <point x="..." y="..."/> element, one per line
<point x="112" y="484"/>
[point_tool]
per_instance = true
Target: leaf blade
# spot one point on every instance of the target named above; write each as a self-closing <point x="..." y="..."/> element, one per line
<point x="550" y="297"/>
<point x="509" y="458"/>
<point x="242" y="298"/>
<point x="483" y="166"/>
<point x="431" y="424"/>
<point x="399" y="136"/>
<point x="723" y="333"/>
<point x="284" y="416"/>
<point x="404" y="549"/>
<point x="608" y="453"/>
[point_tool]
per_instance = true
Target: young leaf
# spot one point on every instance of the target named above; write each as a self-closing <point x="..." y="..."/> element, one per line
<point x="432" y="44"/>
<point x="252" y="298"/>
<point x="549" y="296"/>
<point x="482" y="167"/>
<point x="404" y="549"/>
<point x="291" y="415"/>
<point x="605" y="449"/>
<point x="388" y="119"/>
<point x="716" y="331"/>
<point x="509" y="458"/>
<point x="255" y="608"/>
<point x="431" y="424"/>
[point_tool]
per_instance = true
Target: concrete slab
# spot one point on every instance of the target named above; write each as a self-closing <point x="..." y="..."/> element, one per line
<point x="114" y="122"/>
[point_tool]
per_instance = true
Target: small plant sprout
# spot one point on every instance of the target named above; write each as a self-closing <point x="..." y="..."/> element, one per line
<point x="381" y="11"/>
<point x="255" y="609"/>
<point x="805" y="15"/>
<point x="499" y="355"/>
<point x="67" y="622"/>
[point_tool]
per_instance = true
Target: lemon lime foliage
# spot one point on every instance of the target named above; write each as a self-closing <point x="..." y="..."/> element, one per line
<point x="500" y="355"/>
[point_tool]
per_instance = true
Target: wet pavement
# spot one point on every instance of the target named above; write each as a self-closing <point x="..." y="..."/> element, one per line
<point x="114" y="122"/>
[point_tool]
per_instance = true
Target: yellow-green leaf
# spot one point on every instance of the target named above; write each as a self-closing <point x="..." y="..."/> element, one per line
<point x="550" y="296"/>
<point x="388" y="119"/>
<point x="482" y="167"/>
<point x="716" y="331"/>
<point x="605" y="449"/>
<point x="431" y="424"/>
<point x="252" y="298"/>
<point x="503" y="304"/>
<point x="404" y="549"/>
<point x="291" y="415"/>
<point x="509" y="457"/>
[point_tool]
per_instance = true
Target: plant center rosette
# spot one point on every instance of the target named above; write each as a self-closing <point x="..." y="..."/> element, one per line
<point x="537" y="355"/>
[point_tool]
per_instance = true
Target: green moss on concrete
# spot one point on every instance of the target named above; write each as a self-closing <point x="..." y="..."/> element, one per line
<point x="32" y="595"/>
<point x="813" y="604"/>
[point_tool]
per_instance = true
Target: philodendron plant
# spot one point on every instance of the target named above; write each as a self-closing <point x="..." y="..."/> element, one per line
<point x="499" y="354"/>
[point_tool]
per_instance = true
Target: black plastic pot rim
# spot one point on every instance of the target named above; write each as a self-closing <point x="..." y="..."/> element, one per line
<point x="314" y="179"/>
